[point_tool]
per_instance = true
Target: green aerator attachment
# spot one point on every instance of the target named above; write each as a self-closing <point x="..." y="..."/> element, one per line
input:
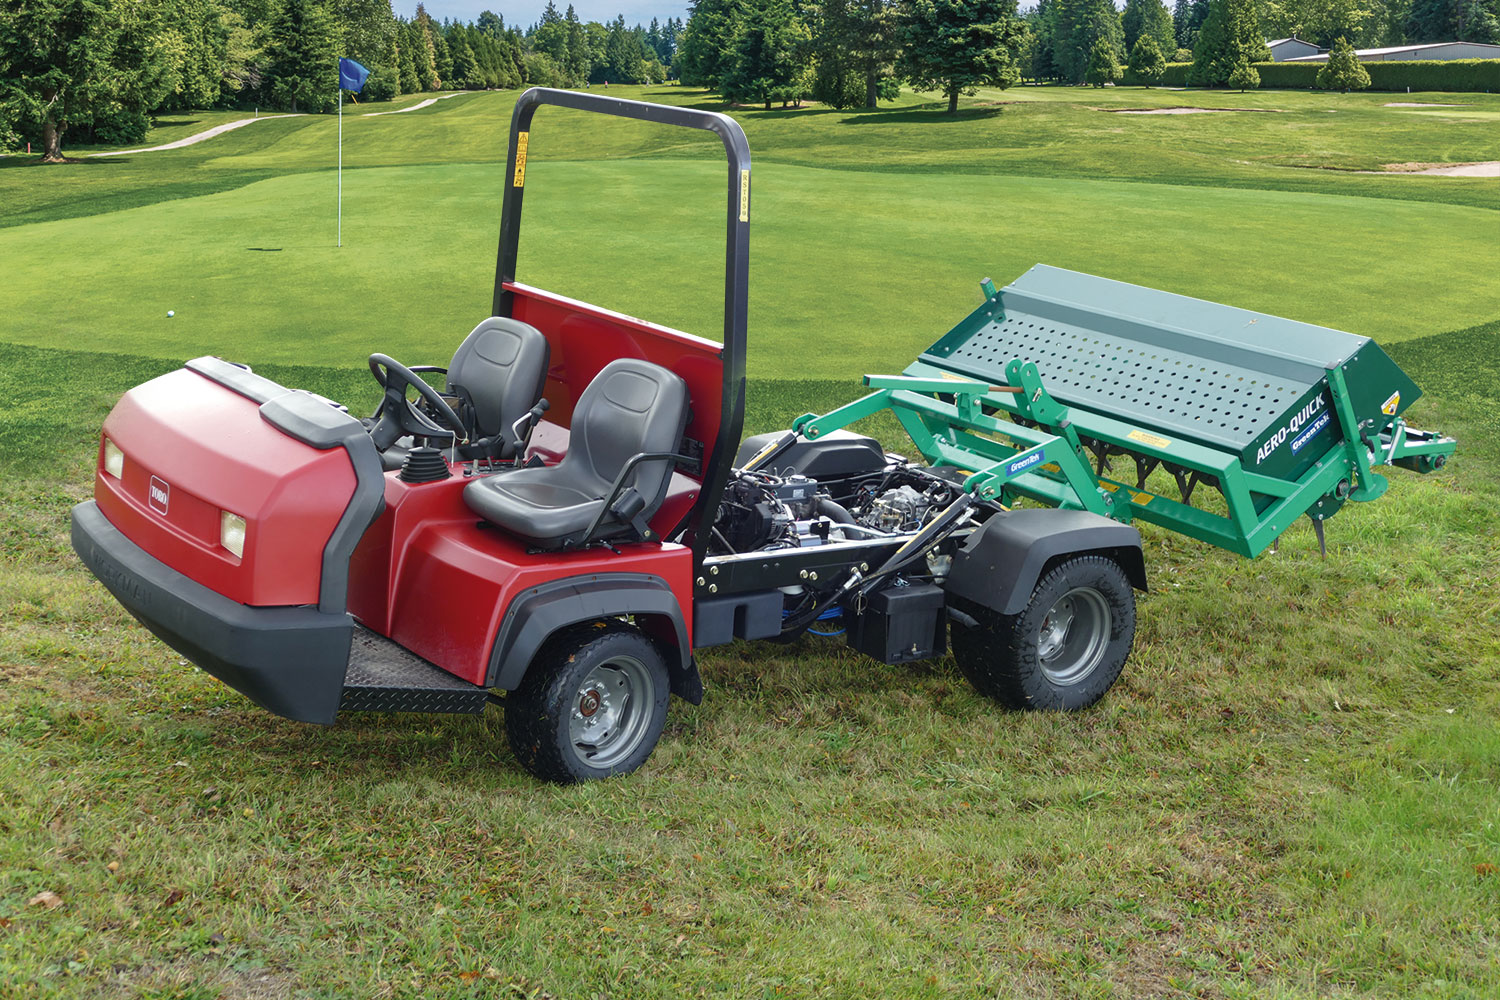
<point x="1274" y="418"/>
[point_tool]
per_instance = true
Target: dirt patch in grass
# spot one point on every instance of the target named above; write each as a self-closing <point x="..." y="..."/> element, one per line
<point x="1489" y="168"/>
<point x="1189" y="111"/>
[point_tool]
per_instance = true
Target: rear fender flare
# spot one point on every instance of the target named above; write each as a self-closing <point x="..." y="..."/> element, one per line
<point x="538" y="613"/>
<point x="999" y="565"/>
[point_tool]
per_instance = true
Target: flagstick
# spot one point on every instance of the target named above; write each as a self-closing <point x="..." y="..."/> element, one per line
<point x="341" y="164"/>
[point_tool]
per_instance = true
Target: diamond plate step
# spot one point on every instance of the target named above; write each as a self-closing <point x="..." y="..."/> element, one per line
<point x="385" y="677"/>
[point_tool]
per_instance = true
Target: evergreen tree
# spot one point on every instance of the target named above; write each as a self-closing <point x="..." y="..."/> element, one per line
<point x="769" y="56"/>
<point x="1230" y="35"/>
<point x="551" y="35"/>
<point x="1147" y="17"/>
<point x="706" y="49"/>
<point x="957" y="45"/>
<point x="1102" y="67"/>
<point x="1343" y="70"/>
<point x="1244" y="76"/>
<point x="442" y="60"/>
<point x="1187" y="21"/>
<point x="67" y="65"/>
<point x="425" y="55"/>
<point x="854" y="48"/>
<point x="1042" y="21"/>
<point x="408" y="82"/>
<point x="490" y="23"/>
<point x="301" y="57"/>
<point x="466" y="72"/>
<point x="1078" y="25"/>
<point x="579" y="59"/>
<point x="1147" y="63"/>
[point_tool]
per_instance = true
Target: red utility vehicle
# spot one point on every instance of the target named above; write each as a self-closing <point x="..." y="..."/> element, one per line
<point x="565" y="522"/>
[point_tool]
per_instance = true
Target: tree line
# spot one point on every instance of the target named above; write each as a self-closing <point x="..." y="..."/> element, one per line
<point x="852" y="53"/>
<point x="97" y="70"/>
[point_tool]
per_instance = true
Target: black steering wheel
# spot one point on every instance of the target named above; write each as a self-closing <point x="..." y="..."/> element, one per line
<point x="398" y="415"/>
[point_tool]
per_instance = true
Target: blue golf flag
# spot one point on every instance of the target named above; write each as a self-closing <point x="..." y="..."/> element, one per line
<point x="351" y="75"/>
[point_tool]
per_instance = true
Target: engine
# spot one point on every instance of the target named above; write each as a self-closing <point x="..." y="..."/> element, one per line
<point x="761" y="511"/>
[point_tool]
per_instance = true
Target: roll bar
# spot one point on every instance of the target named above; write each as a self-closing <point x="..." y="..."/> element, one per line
<point x="736" y="254"/>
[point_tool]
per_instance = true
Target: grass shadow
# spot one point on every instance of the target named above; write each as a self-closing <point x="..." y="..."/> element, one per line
<point x="35" y="160"/>
<point x="929" y="114"/>
<point x="161" y="123"/>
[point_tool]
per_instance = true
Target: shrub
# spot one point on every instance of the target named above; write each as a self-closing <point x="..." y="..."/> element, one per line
<point x="1451" y="76"/>
<point x="1102" y="66"/>
<point x="1343" y="71"/>
<point x="1146" y="62"/>
<point x="1244" y="77"/>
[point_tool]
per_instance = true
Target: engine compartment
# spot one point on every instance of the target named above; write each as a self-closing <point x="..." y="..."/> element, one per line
<point x="843" y="488"/>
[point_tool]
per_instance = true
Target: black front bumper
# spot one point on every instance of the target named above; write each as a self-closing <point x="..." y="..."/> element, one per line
<point x="290" y="660"/>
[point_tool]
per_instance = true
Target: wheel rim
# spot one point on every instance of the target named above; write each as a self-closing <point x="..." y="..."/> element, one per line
<point x="1073" y="636"/>
<point x="611" y="711"/>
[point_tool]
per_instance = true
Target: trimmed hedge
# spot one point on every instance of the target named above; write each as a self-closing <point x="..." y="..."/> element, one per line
<point x="1451" y="75"/>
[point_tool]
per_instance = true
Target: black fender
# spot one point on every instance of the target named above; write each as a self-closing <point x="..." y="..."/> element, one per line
<point x="538" y="613"/>
<point x="998" y="566"/>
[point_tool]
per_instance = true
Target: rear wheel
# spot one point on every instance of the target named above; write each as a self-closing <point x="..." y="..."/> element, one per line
<point x="592" y="705"/>
<point x="1064" y="650"/>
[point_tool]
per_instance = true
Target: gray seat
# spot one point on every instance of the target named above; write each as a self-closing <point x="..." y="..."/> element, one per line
<point x="632" y="407"/>
<point x="497" y="374"/>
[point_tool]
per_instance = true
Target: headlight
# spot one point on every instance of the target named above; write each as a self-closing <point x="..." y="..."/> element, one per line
<point x="114" y="459"/>
<point x="232" y="532"/>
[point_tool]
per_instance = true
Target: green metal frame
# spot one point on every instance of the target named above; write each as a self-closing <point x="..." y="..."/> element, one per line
<point x="962" y="424"/>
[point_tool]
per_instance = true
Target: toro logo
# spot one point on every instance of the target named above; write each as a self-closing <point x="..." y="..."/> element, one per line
<point x="1299" y="419"/>
<point x="159" y="495"/>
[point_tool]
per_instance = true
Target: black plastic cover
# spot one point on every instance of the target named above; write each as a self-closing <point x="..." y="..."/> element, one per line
<point x="717" y="620"/>
<point x="999" y="565"/>
<point x="901" y="624"/>
<point x="290" y="660"/>
<point x="833" y="456"/>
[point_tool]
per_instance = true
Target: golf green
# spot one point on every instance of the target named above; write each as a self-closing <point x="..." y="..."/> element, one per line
<point x="851" y="271"/>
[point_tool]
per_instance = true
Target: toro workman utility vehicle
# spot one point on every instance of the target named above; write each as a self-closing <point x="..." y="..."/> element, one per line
<point x="573" y="514"/>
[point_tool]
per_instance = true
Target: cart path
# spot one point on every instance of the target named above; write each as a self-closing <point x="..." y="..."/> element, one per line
<point x="416" y="107"/>
<point x="199" y="137"/>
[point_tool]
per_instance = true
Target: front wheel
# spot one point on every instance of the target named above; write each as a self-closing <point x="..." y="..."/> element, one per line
<point x="592" y="705"/>
<point x="1064" y="650"/>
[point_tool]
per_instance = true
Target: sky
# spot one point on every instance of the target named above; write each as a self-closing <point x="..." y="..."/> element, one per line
<point x="520" y="13"/>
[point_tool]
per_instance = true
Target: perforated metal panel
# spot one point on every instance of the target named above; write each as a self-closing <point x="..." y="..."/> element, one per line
<point x="1128" y="352"/>
<point x="386" y="677"/>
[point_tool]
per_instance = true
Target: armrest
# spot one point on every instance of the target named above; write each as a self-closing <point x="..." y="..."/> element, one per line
<point x="614" y="497"/>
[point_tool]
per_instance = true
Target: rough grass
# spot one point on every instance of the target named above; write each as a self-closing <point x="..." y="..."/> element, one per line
<point x="1291" y="792"/>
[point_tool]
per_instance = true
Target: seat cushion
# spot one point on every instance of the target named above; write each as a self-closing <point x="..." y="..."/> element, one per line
<point x="631" y="407"/>
<point x="535" y="504"/>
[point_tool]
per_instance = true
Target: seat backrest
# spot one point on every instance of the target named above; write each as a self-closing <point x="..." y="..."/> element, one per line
<point x="631" y="406"/>
<point x="501" y="367"/>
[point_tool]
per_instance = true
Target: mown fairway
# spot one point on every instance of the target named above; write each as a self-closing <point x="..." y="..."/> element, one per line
<point x="1291" y="793"/>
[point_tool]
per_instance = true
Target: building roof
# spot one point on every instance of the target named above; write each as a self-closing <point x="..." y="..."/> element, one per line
<point x="1360" y="53"/>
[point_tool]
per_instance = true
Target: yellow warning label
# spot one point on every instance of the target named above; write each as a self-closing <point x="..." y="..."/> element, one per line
<point x="1153" y="440"/>
<point x="522" y="139"/>
<point x="1106" y="485"/>
<point x="744" y="196"/>
<point x="1051" y="467"/>
<point x="1389" y="406"/>
<point x="1141" y="498"/>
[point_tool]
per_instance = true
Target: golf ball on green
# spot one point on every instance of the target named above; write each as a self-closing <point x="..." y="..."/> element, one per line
<point x="170" y="313"/>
